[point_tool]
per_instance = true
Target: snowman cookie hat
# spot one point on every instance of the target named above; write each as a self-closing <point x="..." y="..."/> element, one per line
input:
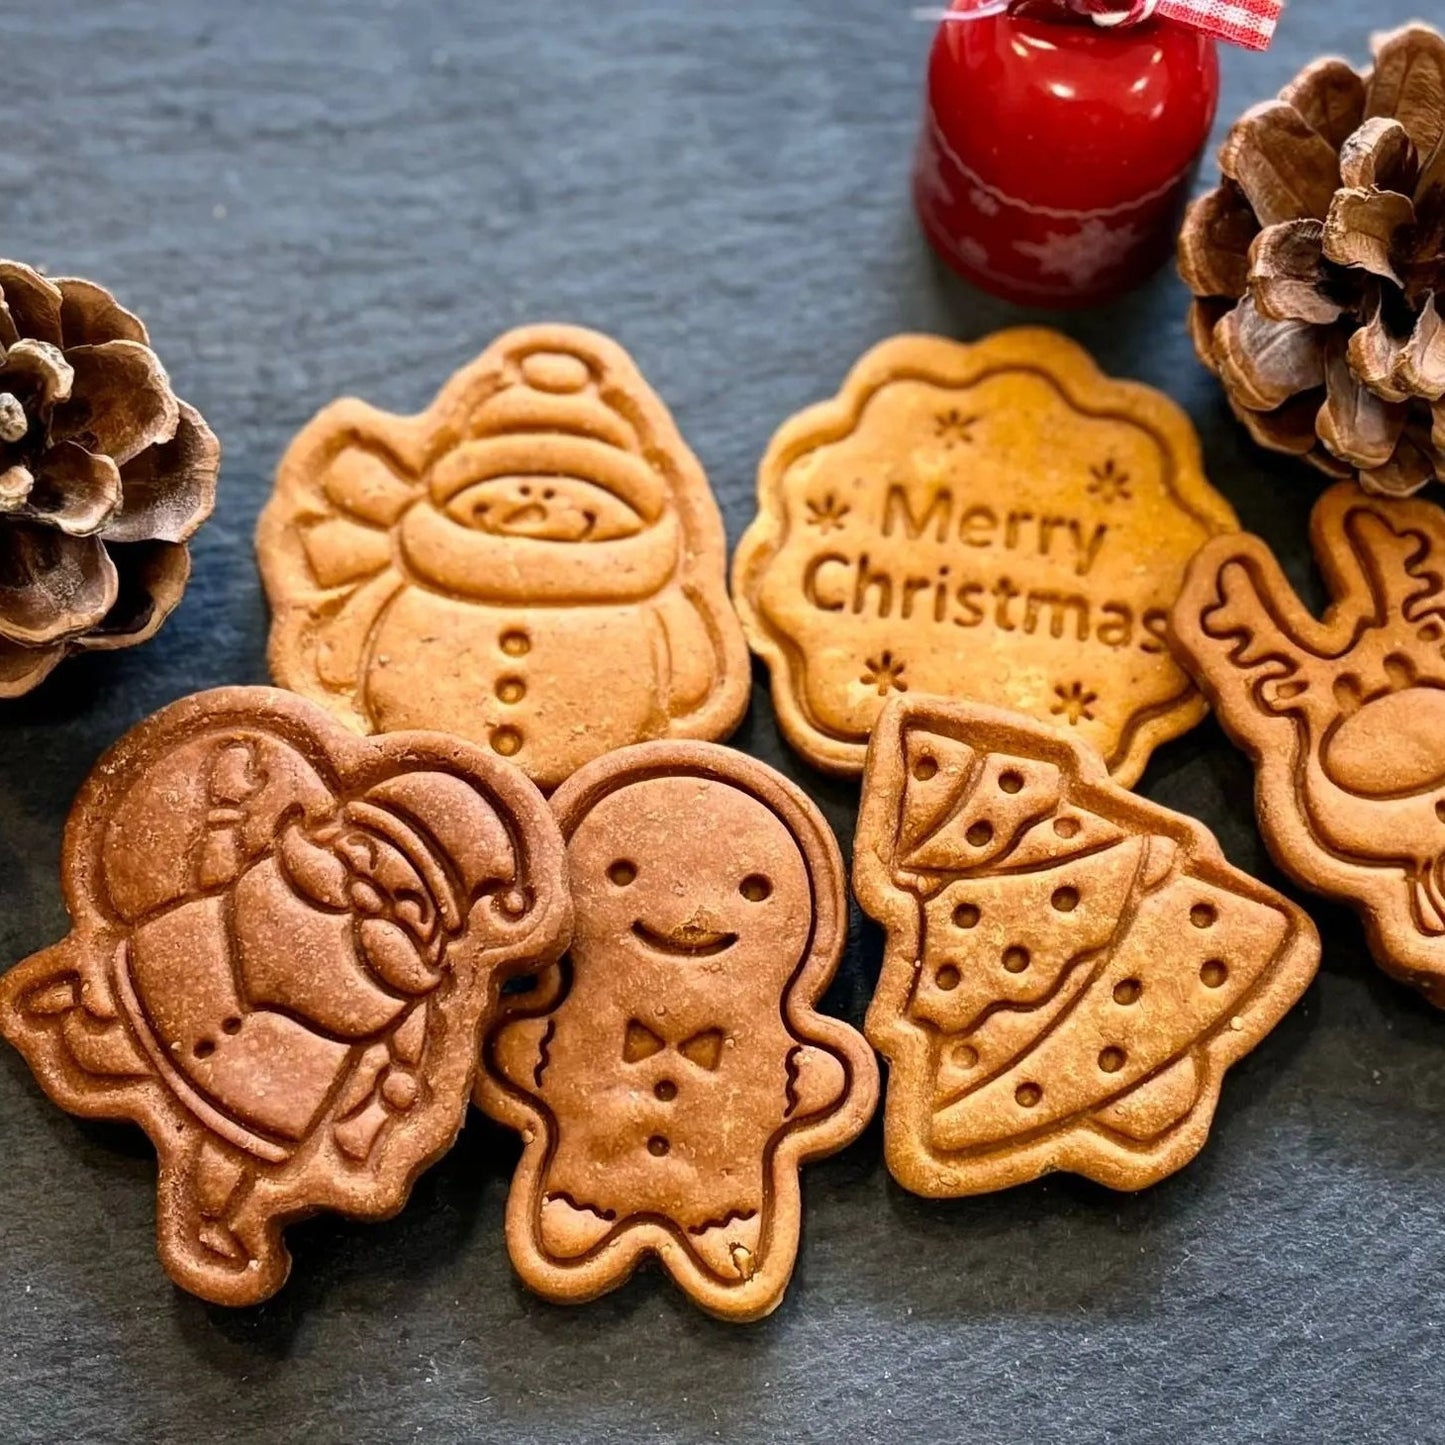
<point x="548" y="405"/>
<point x="560" y="409"/>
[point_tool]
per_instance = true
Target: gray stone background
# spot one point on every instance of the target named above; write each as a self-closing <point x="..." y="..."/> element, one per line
<point x="311" y="200"/>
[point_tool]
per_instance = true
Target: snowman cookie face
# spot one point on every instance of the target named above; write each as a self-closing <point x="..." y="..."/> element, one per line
<point x="536" y="563"/>
<point x="286" y="939"/>
<point x="672" y="1074"/>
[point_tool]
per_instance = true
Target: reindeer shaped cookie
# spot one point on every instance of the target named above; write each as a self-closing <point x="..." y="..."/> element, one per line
<point x="286" y="939"/>
<point x="1344" y="716"/>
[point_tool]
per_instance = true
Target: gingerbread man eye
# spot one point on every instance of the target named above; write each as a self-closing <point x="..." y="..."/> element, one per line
<point x="622" y="872"/>
<point x="755" y="888"/>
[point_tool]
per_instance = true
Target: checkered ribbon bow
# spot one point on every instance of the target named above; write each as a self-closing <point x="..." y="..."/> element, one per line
<point x="1249" y="23"/>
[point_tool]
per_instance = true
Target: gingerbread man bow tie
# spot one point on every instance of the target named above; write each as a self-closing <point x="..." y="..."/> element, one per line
<point x="703" y="1049"/>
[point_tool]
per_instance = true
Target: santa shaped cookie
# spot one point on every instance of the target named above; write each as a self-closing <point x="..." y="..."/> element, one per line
<point x="285" y="941"/>
<point x="1069" y="970"/>
<point x="672" y="1074"/>
<point x="535" y="563"/>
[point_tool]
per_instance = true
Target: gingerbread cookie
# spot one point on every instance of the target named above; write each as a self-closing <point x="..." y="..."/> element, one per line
<point x="1344" y="716"/>
<point x="1069" y="969"/>
<point x="285" y="940"/>
<point x="535" y="563"/>
<point x="672" y="1075"/>
<point x="997" y="521"/>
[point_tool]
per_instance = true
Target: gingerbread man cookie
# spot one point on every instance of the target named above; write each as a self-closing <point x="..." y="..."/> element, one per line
<point x="535" y="563"/>
<point x="285" y="941"/>
<point x="1069" y="969"/>
<point x="1343" y="715"/>
<point x="672" y="1074"/>
<point x="997" y="521"/>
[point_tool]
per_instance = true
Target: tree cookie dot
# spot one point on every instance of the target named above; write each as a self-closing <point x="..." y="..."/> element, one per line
<point x="1127" y="991"/>
<point x="925" y="769"/>
<point x="966" y="915"/>
<point x="621" y="873"/>
<point x="1066" y="827"/>
<point x="1065" y="899"/>
<point x="980" y="834"/>
<point x="516" y="643"/>
<point x="511" y="689"/>
<point x="1011" y="782"/>
<point x="1112" y="1059"/>
<point x="1028" y="1096"/>
<point x="1213" y="973"/>
<point x="947" y="978"/>
<point x="964" y="1056"/>
<point x="1015" y="958"/>
<point x="1203" y="915"/>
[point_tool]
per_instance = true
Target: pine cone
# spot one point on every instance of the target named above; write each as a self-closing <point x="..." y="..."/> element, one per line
<point x="1318" y="266"/>
<point x="104" y="474"/>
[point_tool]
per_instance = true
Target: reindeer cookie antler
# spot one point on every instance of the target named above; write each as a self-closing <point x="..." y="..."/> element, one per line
<point x="1343" y="715"/>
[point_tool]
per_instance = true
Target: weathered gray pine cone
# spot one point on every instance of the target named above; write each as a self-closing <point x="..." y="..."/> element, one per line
<point x="1318" y="267"/>
<point x="104" y="475"/>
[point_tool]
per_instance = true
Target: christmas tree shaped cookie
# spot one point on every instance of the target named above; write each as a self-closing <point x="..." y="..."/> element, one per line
<point x="1070" y="969"/>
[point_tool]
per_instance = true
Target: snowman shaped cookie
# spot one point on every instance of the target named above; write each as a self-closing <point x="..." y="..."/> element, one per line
<point x="672" y="1074"/>
<point x="536" y="563"/>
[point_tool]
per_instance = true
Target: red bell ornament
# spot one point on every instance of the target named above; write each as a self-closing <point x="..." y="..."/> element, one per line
<point x="1061" y="141"/>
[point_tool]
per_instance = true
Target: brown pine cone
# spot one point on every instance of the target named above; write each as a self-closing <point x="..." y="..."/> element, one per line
<point x="1318" y="267"/>
<point x="104" y="474"/>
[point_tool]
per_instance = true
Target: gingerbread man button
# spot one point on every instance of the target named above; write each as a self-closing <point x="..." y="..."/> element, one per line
<point x="536" y="563"/>
<point x="285" y="941"/>
<point x="672" y="1074"/>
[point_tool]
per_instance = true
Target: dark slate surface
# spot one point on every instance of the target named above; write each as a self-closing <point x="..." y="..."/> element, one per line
<point x="308" y="200"/>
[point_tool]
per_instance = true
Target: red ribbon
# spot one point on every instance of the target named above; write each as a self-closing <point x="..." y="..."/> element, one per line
<point x="1250" y="23"/>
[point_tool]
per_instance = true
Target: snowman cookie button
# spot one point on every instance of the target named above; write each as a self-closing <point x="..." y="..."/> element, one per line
<point x="536" y="563"/>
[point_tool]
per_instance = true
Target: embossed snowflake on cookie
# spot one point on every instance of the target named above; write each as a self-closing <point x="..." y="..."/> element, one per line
<point x="672" y="1074"/>
<point x="1344" y="715"/>
<point x="285" y="940"/>
<point x="1002" y="515"/>
<point x="1069" y="969"/>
